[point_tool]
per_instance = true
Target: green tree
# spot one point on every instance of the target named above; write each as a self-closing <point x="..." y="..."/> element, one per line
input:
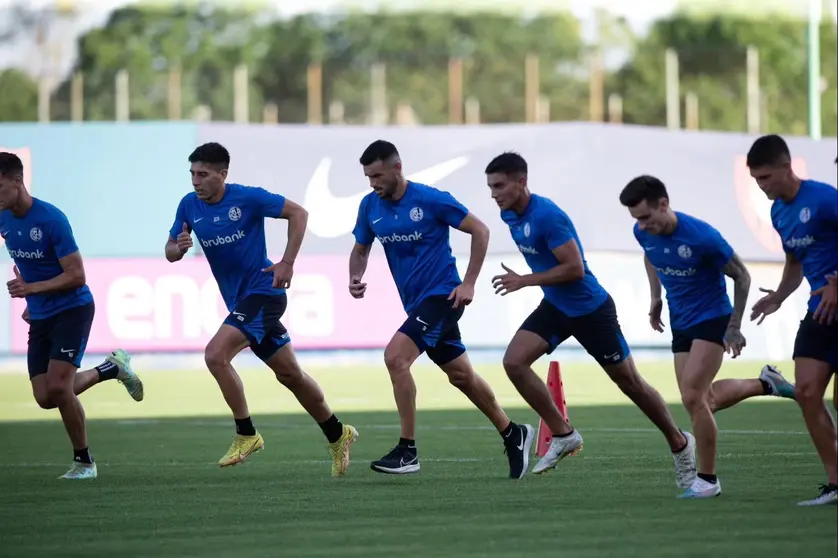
<point x="18" y="97"/>
<point x="712" y="59"/>
<point x="205" y="43"/>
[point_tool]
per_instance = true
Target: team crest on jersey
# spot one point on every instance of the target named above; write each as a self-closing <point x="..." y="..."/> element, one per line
<point x="36" y="234"/>
<point x="416" y="214"/>
<point x="805" y="215"/>
<point x="527" y="230"/>
<point x="234" y="214"/>
<point x="685" y="251"/>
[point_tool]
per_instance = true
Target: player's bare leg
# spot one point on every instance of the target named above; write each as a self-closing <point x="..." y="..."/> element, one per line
<point x="461" y="374"/>
<point x="695" y="371"/>
<point x="517" y="438"/>
<point x="288" y="372"/>
<point x="524" y="349"/>
<point x="399" y="356"/>
<point x="218" y="355"/>
<point x="55" y="390"/>
<point x="811" y="380"/>
<point x="729" y="392"/>
<point x="647" y="399"/>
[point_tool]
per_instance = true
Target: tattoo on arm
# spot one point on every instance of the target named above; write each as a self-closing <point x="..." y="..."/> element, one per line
<point x="737" y="271"/>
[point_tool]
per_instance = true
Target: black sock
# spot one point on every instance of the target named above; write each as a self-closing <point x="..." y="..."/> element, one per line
<point x="766" y="387"/>
<point x="244" y="427"/>
<point x="709" y="478"/>
<point x="686" y="443"/>
<point x="332" y="428"/>
<point x="107" y="371"/>
<point x="564" y="435"/>
<point x="508" y="430"/>
<point x="82" y="456"/>
<point x="405" y="442"/>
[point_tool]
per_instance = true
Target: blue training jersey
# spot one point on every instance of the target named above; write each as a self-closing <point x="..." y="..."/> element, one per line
<point x="542" y="228"/>
<point x="36" y="242"/>
<point x="232" y="234"/>
<point x="808" y="227"/>
<point x="414" y="232"/>
<point x="689" y="264"/>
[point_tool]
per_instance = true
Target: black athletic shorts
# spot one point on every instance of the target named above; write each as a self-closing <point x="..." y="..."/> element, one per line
<point x="817" y="341"/>
<point x="433" y="327"/>
<point x="258" y="318"/>
<point x="598" y="332"/>
<point x="712" y="330"/>
<point x="62" y="336"/>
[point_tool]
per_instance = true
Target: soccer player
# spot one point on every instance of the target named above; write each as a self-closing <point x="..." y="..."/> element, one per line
<point x="575" y="305"/>
<point x="49" y="274"/>
<point x="690" y="259"/>
<point x="229" y="222"/>
<point x="805" y="214"/>
<point x="412" y="223"/>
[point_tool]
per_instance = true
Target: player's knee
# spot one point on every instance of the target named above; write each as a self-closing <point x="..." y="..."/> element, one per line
<point x="396" y="363"/>
<point x="460" y="378"/>
<point x="514" y="366"/>
<point x="711" y="400"/>
<point x="57" y="393"/>
<point x="694" y="399"/>
<point x="289" y="374"/>
<point x="216" y="358"/>
<point x="43" y="400"/>
<point x="807" y="394"/>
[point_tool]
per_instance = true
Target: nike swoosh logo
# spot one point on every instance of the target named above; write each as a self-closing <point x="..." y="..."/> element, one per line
<point x="196" y="220"/>
<point x="331" y="216"/>
<point x="521" y="445"/>
<point x="68" y="351"/>
<point x="377" y="220"/>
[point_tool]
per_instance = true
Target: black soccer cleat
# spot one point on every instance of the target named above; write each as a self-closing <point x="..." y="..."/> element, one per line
<point x="402" y="460"/>
<point x="518" y="445"/>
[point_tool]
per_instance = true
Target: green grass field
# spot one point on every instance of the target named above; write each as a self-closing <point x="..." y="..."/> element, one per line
<point x="160" y="492"/>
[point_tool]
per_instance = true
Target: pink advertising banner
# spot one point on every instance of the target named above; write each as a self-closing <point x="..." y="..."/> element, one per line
<point x="152" y="305"/>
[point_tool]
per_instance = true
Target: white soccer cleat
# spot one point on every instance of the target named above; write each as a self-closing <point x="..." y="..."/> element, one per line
<point x="81" y="471"/>
<point x="126" y="375"/>
<point x="780" y="387"/>
<point x="828" y="497"/>
<point x="685" y="467"/>
<point x="560" y="447"/>
<point x="701" y="489"/>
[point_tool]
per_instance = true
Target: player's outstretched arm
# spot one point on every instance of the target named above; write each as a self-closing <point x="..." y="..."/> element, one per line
<point x="71" y="277"/>
<point x="479" y="246"/>
<point x="297" y="218"/>
<point x="771" y="302"/>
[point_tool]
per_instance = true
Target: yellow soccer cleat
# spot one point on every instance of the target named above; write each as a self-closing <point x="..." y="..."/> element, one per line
<point x="242" y="448"/>
<point x="340" y="450"/>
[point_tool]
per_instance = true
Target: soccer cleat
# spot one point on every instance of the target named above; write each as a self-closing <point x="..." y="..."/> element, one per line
<point x="828" y="497"/>
<point x="126" y="375"/>
<point x="780" y="387"/>
<point x="241" y="448"/>
<point x="340" y="450"/>
<point x="402" y="460"/>
<point x="700" y="489"/>
<point x="560" y="447"/>
<point x="81" y="471"/>
<point x="517" y="449"/>
<point x="685" y="468"/>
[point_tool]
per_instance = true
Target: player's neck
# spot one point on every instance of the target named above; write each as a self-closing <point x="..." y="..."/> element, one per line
<point x="401" y="189"/>
<point x="792" y="191"/>
<point x="520" y="206"/>
<point x="218" y="196"/>
<point x="23" y="205"/>
<point x="671" y="223"/>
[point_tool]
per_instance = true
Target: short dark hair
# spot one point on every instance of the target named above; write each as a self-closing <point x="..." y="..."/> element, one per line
<point x="644" y="187"/>
<point x="768" y="150"/>
<point x="211" y="154"/>
<point x="10" y="164"/>
<point x="379" y="150"/>
<point x="507" y="163"/>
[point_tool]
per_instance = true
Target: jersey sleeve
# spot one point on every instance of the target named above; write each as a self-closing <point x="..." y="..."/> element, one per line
<point x="717" y="251"/>
<point x="269" y="204"/>
<point x="180" y="219"/>
<point x="557" y="227"/>
<point x="61" y="236"/>
<point x="362" y="232"/>
<point x="448" y="210"/>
